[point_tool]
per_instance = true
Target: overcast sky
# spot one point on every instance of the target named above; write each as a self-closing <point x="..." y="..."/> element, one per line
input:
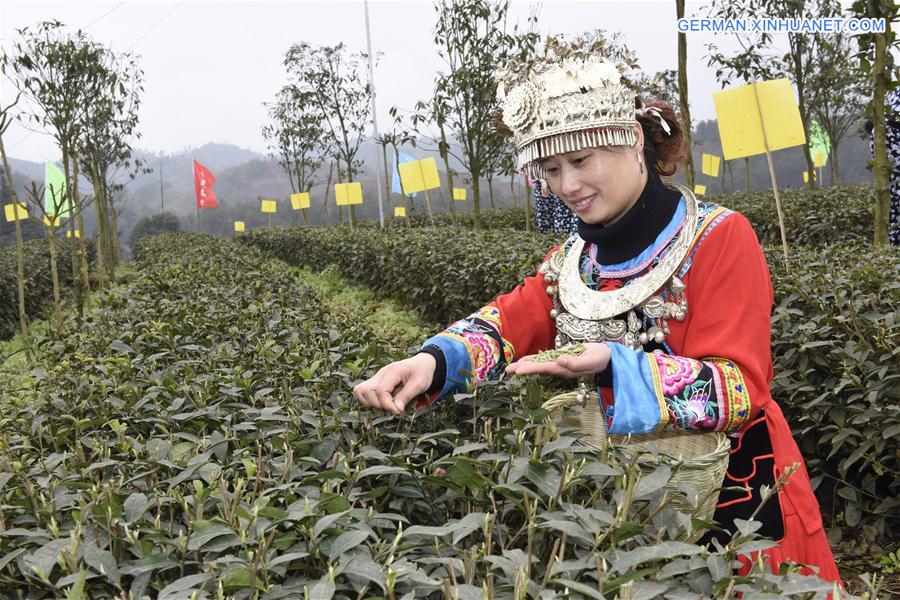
<point x="209" y="66"/>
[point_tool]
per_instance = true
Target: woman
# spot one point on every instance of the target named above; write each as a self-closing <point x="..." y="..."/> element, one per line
<point x="671" y="297"/>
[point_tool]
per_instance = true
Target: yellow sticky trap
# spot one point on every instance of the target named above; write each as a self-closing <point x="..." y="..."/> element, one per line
<point x="354" y="192"/>
<point x="300" y="200"/>
<point x="346" y="194"/>
<point x="819" y="159"/>
<point x="54" y="223"/>
<point x="430" y="173"/>
<point x="699" y="189"/>
<point x="419" y="175"/>
<point x="15" y="212"/>
<point x="459" y="194"/>
<point x="399" y="211"/>
<point x="710" y="165"/>
<point x="77" y="233"/>
<point x="239" y="226"/>
<point x="269" y="206"/>
<point x="340" y="194"/>
<point x="411" y="177"/>
<point x="806" y="176"/>
<point x="741" y="124"/>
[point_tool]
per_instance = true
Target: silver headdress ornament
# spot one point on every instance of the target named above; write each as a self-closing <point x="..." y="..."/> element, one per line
<point x="652" y="110"/>
<point x="575" y="95"/>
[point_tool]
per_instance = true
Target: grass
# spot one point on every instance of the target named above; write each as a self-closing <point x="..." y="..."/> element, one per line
<point x="382" y="316"/>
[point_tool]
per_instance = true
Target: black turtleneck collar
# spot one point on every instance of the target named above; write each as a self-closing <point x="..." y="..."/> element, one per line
<point x="638" y="228"/>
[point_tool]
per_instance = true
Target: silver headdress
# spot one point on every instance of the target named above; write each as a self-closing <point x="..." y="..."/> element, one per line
<point x="575" y="95"/>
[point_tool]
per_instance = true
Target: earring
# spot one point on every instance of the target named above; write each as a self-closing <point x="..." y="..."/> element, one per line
<point x="640" y="162"/>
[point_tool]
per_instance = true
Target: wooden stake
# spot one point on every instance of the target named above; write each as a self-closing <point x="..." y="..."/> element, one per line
<point x="762" y="125"/>
<point x="428" y="202"/>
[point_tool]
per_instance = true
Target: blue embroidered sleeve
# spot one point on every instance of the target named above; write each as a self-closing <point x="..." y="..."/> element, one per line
<point x="653" y="391"/>
<point x="474" y="350"/>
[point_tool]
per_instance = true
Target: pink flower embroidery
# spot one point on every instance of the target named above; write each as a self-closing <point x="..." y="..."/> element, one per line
<point x="483" y="356"/>
<point x="676" y="372"/>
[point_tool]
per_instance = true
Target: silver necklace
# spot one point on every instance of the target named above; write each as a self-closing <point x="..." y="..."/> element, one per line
<point x="586" y="315"/>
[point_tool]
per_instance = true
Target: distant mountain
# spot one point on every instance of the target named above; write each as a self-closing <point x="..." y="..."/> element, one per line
<point x="178" y="167"/>
<point x="26" y="168"/>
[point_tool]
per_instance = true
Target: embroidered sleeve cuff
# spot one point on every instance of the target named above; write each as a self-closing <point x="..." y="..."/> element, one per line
<point x="440" y="369"/>
<point x="653" y="391"/>
<point x="637" y="408"/>
<point x="457" y="365"/>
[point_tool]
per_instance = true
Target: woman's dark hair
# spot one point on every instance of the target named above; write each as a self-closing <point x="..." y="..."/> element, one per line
<point x="662" y="150"/>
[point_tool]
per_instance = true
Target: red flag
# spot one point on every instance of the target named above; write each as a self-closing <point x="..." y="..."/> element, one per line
<point x="203" y="186"/>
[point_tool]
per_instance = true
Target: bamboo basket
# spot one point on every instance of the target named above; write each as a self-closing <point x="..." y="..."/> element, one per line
<point x="697" y="459"/>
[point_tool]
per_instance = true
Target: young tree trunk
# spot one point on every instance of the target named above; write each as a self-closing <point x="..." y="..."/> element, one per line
<point x="801" y="103"/>
<point x="326" y="208"/>
<point x="20" y="268"/>
<point x="683" y="98"/>
<point x="114" y="233"/>
<point x="730" y="173"/>
<point x="387" y="188"/>
<point x="405" y="200"/>
<point x="882" y="168"/>
<point x="54" y="273"/>
<point x="490" y="179"/>
<point x="81" y="245"/>
<point x="476" y="201"/>
<point x="108" y="225"/>
<point x="104" y="250"/>
<point x="445" y="156"/>
<point x="835" y="166"/>
<point x="20" y="255"/>
<point x="73" y="253"/>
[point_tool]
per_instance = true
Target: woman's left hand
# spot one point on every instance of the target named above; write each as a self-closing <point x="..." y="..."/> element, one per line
<point x="593" y="360"/>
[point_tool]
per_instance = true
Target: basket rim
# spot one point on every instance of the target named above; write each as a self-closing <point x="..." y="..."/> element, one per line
<point x="712" y="458"/>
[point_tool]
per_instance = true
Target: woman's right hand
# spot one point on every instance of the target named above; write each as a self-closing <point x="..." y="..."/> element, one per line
<point x="394" y="385"/>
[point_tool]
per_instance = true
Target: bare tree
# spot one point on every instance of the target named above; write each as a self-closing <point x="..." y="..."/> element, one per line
<point x="61" y="75"/>
<point x="683" y="95"/>
<point x="104" y="146"/>
<point x="333" y="79"/>
<point x="295" y="137"/>
<point x="837" y="94"/>
<point x="473" y="40"/>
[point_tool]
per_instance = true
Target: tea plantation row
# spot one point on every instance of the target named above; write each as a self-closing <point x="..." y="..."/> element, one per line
<point x="38" y="280"/>
<point x="822" y="216"/>
<point x="836" y="334"/>
<point x="199" y="438"/>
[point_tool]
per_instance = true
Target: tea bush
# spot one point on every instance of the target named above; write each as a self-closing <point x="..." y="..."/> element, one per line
<point x="164" y="222"/>
<point x="38" y="280"/>
<point x="817" y="217"/>
<point x="497" y="218"/>
<point x="836" y="347"/>
<point x="835" y="333"/>
<point x="198" y="438"/>
<point x="822" y="216"/>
